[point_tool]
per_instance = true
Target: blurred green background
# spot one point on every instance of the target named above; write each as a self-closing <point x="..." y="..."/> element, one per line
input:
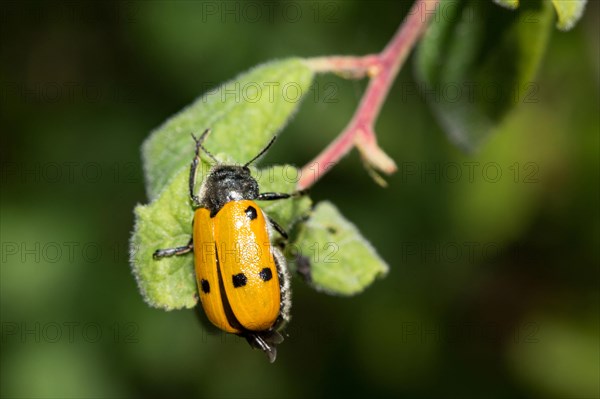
<point x="493" y="287"/>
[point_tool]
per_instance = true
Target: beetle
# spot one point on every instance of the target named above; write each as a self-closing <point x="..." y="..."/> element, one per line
<point x="242" y="279"/>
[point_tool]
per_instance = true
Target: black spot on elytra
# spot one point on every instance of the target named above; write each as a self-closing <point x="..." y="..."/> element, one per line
<point x="331" y="229"/>
<point x="205" y="286"/>
<point x="239" y="280"/>
<point x="251" y="213"/>
<point x="266" y="274"/>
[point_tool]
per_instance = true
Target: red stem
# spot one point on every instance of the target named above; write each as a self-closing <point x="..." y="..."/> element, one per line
<point x="382" y="68"/>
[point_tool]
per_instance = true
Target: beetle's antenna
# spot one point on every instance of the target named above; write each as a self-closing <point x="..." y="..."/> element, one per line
<point x="199" y="142"/>
<point x="261" y="152"/>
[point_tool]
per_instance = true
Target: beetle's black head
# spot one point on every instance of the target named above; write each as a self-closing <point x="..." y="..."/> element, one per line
<point x="227" y="183"/>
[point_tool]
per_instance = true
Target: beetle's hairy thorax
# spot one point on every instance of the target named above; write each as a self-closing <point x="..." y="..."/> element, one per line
<point x="226" y="183"/>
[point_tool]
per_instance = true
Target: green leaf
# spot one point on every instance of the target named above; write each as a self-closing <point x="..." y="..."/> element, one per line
<point x="341" y="260"/>
<point x="243" y="114"/>
<point x="169" y="283"/>
<point x="510" y="4"/>
<point x="166" y="223"/>
<point x="569" y="12"/>
<point x="477" y="61"/>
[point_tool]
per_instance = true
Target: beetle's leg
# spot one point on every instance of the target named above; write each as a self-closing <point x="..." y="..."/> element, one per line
<point x="278" y="196"/>
<point x="277" y="227"/>
<point x="194" y="167"/>
<point x="264" y="340"/>
<point x="303" y="268"/>
<point x="161" y="253"/>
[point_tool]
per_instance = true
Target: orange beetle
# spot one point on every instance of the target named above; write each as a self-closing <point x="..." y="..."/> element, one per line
<point x="242" y="279"/>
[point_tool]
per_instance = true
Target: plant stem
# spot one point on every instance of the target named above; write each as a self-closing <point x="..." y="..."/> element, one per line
<point x="382" y="69"/>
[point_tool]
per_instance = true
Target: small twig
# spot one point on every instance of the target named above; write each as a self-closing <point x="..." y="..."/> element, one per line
<point x="347" y="66"/>
<point x="382" y="69"/>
